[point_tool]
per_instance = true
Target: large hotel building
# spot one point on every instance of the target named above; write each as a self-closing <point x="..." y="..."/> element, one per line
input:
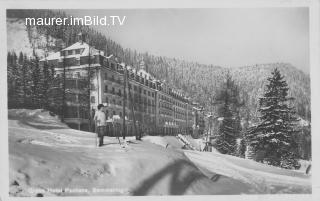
<point x="158" y="108"/>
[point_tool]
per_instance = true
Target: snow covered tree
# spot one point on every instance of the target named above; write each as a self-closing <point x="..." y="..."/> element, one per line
<point x="13" y="80"/>
<point x="36" y="88"/>
<point x="20" y="80"/>
<point x="47" y="82"/>
<point x="229" y="129"/>
<point x="272" y="138"/>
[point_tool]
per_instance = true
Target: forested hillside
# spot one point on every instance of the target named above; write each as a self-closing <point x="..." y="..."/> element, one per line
<point x="199" y="81"/>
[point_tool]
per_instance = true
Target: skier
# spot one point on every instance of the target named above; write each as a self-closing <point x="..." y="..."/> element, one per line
<point x="100" y="121"/>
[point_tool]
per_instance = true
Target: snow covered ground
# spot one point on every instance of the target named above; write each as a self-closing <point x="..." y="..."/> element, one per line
<point x="264" y="178"/>
<point x="47" y="158"/>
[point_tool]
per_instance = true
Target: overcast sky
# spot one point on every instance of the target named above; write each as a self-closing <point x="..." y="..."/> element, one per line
<point x="228" y="37"/>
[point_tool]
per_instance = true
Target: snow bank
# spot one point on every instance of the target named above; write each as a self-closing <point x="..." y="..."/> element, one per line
<point x="35" y="114"/>
<point x="263" y="178"/>
<point x="156" y="140"/>
<point x="45" y="154"/>
<point x="49" y="159"/>
<point x="35" y="118"/>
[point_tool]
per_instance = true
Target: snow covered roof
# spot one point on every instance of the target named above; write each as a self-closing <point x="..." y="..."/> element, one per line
<point x="84" y="47"/>
<point x="144" y="73"/>
<point x="53" y="56"/>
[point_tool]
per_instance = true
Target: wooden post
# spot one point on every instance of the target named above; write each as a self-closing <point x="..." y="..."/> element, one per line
<point x="133" y="115"/>
<point x="124" y="129"/>
<point x="63" y="88"/>
<point x="89" y="92"/>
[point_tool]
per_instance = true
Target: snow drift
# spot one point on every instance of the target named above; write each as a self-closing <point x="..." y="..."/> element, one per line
<point x="47" y="158"/>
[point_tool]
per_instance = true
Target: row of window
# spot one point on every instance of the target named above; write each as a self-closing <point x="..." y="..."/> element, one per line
<point x="135" y="87"/>
<point x="172" y="101"/>
<point x="165" y="112"/>
<point x="140" y="80"/>
<point x="72" y="52"/>
<point x="165" y="105"/>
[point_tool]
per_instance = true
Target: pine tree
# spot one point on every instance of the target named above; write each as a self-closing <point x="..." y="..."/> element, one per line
<point x="26" y="82"/>
<point x="36" y="88"/>
<point x="45" y="85"/>
<point x="19" y="85"/>
<point x="13" y="80"/>
<point x="273" y="136"/>
<point x="230" y="127"/>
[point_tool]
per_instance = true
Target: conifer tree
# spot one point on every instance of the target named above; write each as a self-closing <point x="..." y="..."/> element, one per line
<point x="26" y="80"/>
<point x="228" y="112"/>
<point x="20" y="84"/>
<point x="45" y="83"/>
<point x="13" y="80"/>
<point x="273" y="136"/>
<point x="36" y="88"/>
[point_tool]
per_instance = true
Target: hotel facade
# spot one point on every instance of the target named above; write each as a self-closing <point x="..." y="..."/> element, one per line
<point x="158" y="108"/>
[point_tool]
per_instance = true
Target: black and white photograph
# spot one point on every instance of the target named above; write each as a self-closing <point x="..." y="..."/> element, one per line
<point x="158" y="101"/>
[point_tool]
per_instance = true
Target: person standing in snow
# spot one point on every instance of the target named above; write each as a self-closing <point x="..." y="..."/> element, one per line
<point x="100" y="121"/>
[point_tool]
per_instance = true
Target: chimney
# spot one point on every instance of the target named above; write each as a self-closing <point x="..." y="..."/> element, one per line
<point x="142" y="65"/>
<point x="80" y="38"/>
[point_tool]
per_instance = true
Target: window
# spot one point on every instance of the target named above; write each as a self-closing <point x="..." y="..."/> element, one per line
<point x="70" y="52"/>
<point x="105" y="76"/>
<point x="77" y="51"/>
<point x="149" y="93"/>
<point x="120" y="114"/>
<point x="114" y="112"/>
<point x="119" y="92"/>
<point x="107" y="100"/>
<point x="92" y="87"/>
<point x="113" y="90"/>
<point x="145" y="92"/>
<point x="106" y="88"/>
<point x="77" y="74"/>
<point x="92" y="99"/>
